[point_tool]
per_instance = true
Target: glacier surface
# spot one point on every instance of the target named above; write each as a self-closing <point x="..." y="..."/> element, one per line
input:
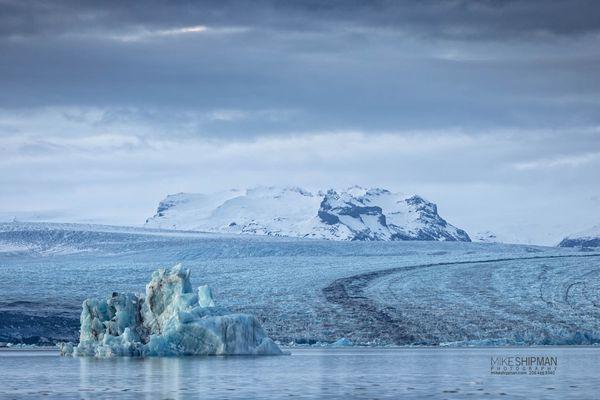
<point x="309" y="291"/>
<point x="170" y="320"/>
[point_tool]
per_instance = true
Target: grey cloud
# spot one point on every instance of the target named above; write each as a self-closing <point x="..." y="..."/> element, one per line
<point x="380" y="65"/>
<point x="458" y="19"/>
<point x="329" y="81"/>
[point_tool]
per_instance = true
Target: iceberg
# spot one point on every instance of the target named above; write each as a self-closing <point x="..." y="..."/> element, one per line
<point x="172" y="319"/>
<point x="342" y="342"/>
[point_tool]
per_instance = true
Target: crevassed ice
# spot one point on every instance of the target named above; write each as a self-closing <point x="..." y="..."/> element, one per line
<point x="172" y="319"/>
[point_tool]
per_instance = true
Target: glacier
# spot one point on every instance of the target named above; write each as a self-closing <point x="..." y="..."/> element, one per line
<point x="352" y="214"/>
<point x="170" y="320"/>
<point x="376" y="293"/>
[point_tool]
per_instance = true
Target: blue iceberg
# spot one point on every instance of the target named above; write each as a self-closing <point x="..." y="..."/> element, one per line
<point x="172" y="319"/>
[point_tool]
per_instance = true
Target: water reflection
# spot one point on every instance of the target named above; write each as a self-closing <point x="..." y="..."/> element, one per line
<point x="309" y="373"/>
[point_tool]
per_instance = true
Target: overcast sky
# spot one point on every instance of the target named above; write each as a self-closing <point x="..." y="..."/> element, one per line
<point x="491" y="109"/>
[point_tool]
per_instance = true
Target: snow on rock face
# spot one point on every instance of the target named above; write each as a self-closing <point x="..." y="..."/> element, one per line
<point x="353" y="214"/>
<point x="588" y="238"/>
<point x="359" y="220"/>
<point x="171" y="320"/>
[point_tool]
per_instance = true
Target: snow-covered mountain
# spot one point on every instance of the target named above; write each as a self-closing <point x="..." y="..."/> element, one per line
<point x="587" y="238"/>
<point x="352" y="214"/>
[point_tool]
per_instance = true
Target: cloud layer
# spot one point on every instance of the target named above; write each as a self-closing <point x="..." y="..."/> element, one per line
<point x="490" y="108"/>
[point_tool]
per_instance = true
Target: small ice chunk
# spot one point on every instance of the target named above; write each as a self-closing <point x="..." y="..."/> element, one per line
<point x="342" y="342"/>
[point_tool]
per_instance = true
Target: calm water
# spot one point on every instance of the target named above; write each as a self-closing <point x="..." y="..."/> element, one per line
<point x="307" y="373"/>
